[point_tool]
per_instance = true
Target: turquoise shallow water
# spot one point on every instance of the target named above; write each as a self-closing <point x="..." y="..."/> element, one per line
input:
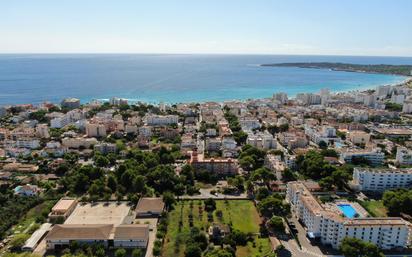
<point x="174" y="78"/>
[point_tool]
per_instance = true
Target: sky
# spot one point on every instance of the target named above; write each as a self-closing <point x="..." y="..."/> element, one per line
<point x="324" y="27"/>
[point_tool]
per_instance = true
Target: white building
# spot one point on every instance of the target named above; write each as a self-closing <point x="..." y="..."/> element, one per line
<point x="249" y="123"/>
<point x="407" y="106"/>
<point x="79" y="142"/>
<point x="325" y="133"/>
<point x="30" y="143"/>
<point x="331" y="227"/>
<point x="95" y="130"/>
<point x="379" y="180"/>
<point x="61" y="120"/>
<point x="281" y="97"/>
<point x="118" y="101"/>
<point x="145" y="131"/>
<point x="403" y="156"/>
<point x="42" y="131"/>
<point x="213" y="144"/>
<point x="374" y="156"/>
<point x="105" y="148"/>
<point x="308" y="98"/>
<point x="397" y="99"/>
<point x="70" y="103"/>
<point x="161" y="120"/>
<point x="383" y="91"/>
<point x="229" y="143"/>
<point x="3" y="111"/>
<point x="261" y="140"/>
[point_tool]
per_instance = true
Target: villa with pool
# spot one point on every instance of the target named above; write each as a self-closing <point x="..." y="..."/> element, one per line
<point x="333" y="221"/>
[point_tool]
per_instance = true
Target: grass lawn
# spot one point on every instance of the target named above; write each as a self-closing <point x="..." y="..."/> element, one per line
<point x="240" y="214"/>
<point x="375" y="208"/>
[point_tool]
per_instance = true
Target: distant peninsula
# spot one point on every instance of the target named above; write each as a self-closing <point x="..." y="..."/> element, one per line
<point x="404" y="70"/>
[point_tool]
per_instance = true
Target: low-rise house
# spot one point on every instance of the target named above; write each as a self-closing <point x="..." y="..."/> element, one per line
<point x="62" y="209"/>
<point x="150" y="207"/>
<point x="218" y="231"/>
<point x="27" y="190"/>
<point x="20" y="167"/>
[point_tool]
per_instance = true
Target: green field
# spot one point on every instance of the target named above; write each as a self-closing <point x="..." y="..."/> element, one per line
<point x="240" y="214"/>
<point x="375" y="208"/>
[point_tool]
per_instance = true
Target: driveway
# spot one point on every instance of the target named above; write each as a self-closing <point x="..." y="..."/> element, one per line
<point x="205" y="194"/>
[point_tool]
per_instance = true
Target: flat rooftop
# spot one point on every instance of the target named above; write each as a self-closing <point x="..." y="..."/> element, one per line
<point x="63" y="204"/>
<point x="100" y="213"/>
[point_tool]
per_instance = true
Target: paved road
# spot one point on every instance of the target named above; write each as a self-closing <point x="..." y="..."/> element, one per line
<point x="205" y="194"/>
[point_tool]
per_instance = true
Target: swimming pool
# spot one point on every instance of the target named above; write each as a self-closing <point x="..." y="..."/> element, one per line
<point x="347" y="210"/>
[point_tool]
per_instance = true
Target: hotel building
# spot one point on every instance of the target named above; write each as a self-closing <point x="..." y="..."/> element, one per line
<point x="331" y="226"/>
<point x="381" y="179"/>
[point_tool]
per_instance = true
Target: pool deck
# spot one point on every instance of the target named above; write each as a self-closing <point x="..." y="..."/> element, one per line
<point x="356" y="206"/>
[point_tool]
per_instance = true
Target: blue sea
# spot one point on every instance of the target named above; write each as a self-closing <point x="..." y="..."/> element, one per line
<point x="173" y="78"/>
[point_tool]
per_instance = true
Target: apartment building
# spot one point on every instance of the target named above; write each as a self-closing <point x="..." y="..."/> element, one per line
<point x="261" y="140"/>
<point x="70" y="103"/>
<point x="95" y="130"/>
<point x="381" y="179"/>
<point x="161" y="120"/>
<point x="213" y="144"/>
<point x="78" y="142"/>
<point x="331" y="227"/>
<point x="42" y="131"/>
<point x="218" y="166"/>
<point x="249" y="123"/>
<point x="3" y="111"/>
<point x="105" y="148"/>
<point x="358" y="137"/>
<point x="374" y="156"/>
<point x="326" y="134"/>
<point x="61" y="120"/>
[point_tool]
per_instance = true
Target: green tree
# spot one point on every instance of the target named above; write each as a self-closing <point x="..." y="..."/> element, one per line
<point x="193" y="250"/>
<point x="168" y="199"/>
<point x="137" y="252"/>
<point x="353" y="247"/>
<point x="323" y="145"/>
<point x="276" y="223"/>
<point x="120" y="252"/>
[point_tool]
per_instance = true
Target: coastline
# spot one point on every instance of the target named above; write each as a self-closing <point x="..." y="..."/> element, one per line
<point x="158" y="79"/>
<point x="406" y="82"/>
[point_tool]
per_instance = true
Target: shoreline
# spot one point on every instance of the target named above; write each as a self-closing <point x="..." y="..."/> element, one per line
<point x="406" y="82"/>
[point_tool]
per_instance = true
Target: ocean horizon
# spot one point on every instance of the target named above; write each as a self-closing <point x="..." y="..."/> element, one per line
<point x="174" y="78"/>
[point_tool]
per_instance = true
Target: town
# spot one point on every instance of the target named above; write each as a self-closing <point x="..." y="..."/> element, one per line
<point x="318" y="174"/>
